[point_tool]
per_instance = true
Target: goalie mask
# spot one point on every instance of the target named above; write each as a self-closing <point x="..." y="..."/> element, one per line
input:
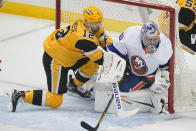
<point x="150" y="36"/>
<point x="92" y="17"/>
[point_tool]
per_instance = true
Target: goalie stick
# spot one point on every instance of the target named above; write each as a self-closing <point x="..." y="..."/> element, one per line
<point x="90" y="128"/>
<point x="120" y="112"/>
<point x="119" y="107"/>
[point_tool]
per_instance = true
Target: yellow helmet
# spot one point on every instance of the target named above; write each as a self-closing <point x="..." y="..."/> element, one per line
<point x="92" y="14"/>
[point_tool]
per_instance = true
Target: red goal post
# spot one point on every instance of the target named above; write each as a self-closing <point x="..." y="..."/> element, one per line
<point x="58" y="14"/>
<point x="172" y="29"/>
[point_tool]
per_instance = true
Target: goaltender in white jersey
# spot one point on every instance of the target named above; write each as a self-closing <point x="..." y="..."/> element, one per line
<point x="146" y="78"/>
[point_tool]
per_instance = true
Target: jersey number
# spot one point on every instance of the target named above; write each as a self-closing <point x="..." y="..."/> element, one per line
<point x="90" y="35"/>
<point x="189" y="3"/>
<point x="62" y="33"/>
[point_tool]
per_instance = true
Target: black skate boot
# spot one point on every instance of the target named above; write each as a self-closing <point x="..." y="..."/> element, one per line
<point x="16" y="95"/>
<point x="77" y="89"/>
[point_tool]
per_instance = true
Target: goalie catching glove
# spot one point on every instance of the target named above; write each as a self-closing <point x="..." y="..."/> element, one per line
<point x="161" y="83"/>
<point x="113" y="67"/>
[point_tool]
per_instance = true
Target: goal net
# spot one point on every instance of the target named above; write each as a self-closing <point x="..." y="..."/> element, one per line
<point x="121" y="14"/>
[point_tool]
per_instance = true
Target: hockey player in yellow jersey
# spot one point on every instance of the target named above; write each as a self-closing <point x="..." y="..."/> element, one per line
<point x="187" y="24"/>
<point x="74" y="47"/>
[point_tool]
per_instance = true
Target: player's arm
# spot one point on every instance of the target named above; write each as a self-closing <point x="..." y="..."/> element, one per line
<point x="118" y="46"/>
<point x="91" y="50"/>
<point x="100" y="35"/>
<point x="115" y="50"/>
<point x="162" y="82"/>
<point x="164" y="66"/>
<point x="186" y="19"/>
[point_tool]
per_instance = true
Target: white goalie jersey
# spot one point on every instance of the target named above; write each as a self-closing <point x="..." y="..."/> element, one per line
<point x="143" y="63"/>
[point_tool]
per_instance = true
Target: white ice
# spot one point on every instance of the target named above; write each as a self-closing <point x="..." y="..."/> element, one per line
<point x="21" y="50"/>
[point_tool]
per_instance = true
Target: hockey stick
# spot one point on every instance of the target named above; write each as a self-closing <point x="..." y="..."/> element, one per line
<point x="90" y="128"/>
<point x="119" y="108"/>
<point x="120" y="112"/>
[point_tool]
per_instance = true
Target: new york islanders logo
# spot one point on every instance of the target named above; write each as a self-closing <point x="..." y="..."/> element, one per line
<point x="139" y="65"/>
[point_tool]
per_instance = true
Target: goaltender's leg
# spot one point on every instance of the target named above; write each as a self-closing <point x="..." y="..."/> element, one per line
<point x="132" y="83"/>
<point x="134" y="94"/>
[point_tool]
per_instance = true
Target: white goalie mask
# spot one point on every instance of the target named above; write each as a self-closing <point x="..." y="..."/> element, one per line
<point x="150" y="36"/>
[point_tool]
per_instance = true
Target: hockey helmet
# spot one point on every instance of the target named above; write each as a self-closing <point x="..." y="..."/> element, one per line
<point x="92" y="14"/>
<point x="150" y="36"/>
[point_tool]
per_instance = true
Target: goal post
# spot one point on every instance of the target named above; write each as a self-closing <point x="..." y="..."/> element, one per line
<point x="58" y="14"/>
<point x="121" y="14"/>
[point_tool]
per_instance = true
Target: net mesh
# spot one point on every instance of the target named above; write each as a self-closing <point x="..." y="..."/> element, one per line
<point x="184" y="85"/>
<point x="118" y="17"/>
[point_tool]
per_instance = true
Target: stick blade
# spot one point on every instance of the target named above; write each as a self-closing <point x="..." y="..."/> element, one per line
<point x="125" y="114"/>
<point x="87" y="126"/>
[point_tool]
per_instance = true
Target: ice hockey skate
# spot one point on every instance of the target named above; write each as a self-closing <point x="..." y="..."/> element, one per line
<point x="76" y="91"/>
<point x="16" y="96"/>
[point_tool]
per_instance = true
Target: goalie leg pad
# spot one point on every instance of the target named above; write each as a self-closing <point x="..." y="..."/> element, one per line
<point x="144" y="99"/>
<point x="104" y="91"/>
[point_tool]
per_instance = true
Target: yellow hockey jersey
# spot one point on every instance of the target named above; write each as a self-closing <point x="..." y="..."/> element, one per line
<point x="187" y="14"/>
<point x="190" y="4"/>
<point x="72" y="43"/>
